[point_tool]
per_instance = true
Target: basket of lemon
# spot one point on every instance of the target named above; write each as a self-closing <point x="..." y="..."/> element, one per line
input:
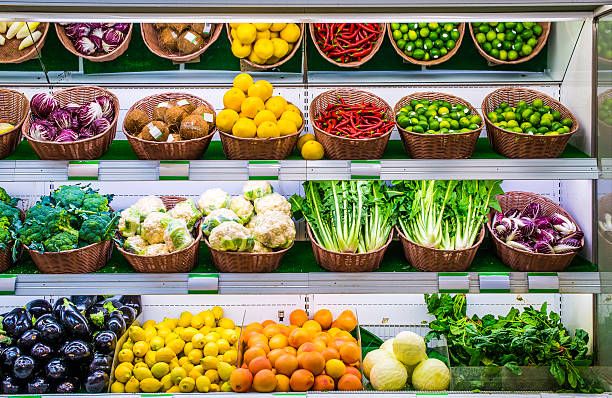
<point x="254" y="124"/>
<point x="264" y="45"/>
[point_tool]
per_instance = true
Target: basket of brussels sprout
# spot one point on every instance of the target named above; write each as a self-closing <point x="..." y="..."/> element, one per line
<point x="437" y="126"/>
<point x="426" y="43"/>
<point x="508" y="43"/>
<point x="527" y="124"/>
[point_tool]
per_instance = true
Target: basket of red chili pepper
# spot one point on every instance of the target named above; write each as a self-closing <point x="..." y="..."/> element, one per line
<point x="347" y="45"/>
<point x="351" y="124"/>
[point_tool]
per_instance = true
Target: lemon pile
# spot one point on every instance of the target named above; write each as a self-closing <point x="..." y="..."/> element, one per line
<point x="193" y="353"/>
<point x="263" y="43"/>
<point x="252" y="112"/>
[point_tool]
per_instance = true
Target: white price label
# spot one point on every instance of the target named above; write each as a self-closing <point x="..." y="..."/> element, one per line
<point x="203" y="284"/>
<point x="174" y="169"/>
<point x="208" y="117"/>
<point x="453" y="282"/>
<point x="365" y="169"/>
<point x="494" y="282"/>
<point x="543" y="282"/>
<point x="264" y="169"/>
<point x="83" y="170"/>
<point x="7" y="284"/>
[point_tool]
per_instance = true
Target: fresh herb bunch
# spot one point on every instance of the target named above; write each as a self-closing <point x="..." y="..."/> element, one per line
<point x="529" y="338"/>
<point x="9" y="219"/>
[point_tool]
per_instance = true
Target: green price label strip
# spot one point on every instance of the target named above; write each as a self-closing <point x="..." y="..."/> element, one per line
<point x="543" y="282"/>
<point x="7" y="284"/>
<point x="365" y="169"/>
<point x="263" y="169"/>
<point x="453" y="282"/>
<point x="174" y="170"/>
<point x="203" y="284"/>
<point x="494" y="282"/>
<point x="83" y="170"/>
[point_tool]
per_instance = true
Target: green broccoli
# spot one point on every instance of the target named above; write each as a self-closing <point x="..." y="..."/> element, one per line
<point x="5" y="232"/>
<point x="95" y="202"/>
<point x="10" y="212"/>
<point x="38" y="213"/>
<point x="58" y="220"/>
<point x="69" y="196"/>
<point x="97" y="228"/>
<point x="62" y="241"/>
<point x="5" y="198"/>
<point x="32" y="233"/>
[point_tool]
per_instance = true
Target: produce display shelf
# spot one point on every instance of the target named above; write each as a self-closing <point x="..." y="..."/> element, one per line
<point x="334" y="394"/>
<point x="120" y="164"/>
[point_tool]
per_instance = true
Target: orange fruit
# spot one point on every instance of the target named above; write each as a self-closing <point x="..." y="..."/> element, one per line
<point x="323" y="336"/>
<point x="291" y="350"/>
<point x="312" y="361"/>
<point x="267" y="322"/>
<point x="275" y="354"/>
<point x="298" y="337"/>
<point x="354" y="371"/>
<point x="246" y="336"/>
<point x="346" y="321"/>
<point x="336" y="343"/>
<point x="324" y="318"/>
<point x="264" y="381"/>
<point x="301" y="380"/>
<point x="254" y="325"/>
<point x="258" y="364"/>
<point x="284" y="329"/>
<point x="241" y="380"/>
<point x="286" y="364"/>
<point x="323" y="383"/>
<point x="271" y="330"/>
<point x="330" y="353"/>
<point x="278" y="341"/>
<point x="253" y="353"/>
<point x="333" y="331"/>
<point x="349" y="382"/>
<point x="319" y="345"/>
<point x="350" y="353"/>
<point x="257" y="339"/>
<point x="313" y="327"/>
<point x="264" y="347"/>
<point x="335" y="368"/>
<point x="282" y="383"/>
<point x="298" y="317"/>
<point x="306" y="347"/>
<point x="346" y="336"/>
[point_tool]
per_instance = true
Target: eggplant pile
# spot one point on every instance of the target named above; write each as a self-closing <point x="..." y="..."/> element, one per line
<point x="63" y="348"/>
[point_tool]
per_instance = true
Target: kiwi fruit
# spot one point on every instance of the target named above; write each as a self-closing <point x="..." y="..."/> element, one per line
<point x="168" y="39"/>
<point x="201" y="28"/>
<point x="159" y="25"/>
<point x="186" y="104"/>
<point x="159" y="112"/>
<point x="174" y="116"/>
<point x="155" y="131"/>
<point x="189" y="42"/>
<point x="179" y="27"/>
<point x="194" y="126"/>
<point x="135" y="121"/>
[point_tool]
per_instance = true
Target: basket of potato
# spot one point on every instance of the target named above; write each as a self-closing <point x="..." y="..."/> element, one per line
<point x="180" y="42"/>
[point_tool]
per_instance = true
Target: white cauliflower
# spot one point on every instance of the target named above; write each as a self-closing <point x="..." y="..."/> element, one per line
<point x="135" y="245"/>
<point x="156" y="249"/>
<point x="213" y="199"/>
<point x="148" y="205"/>
<point x="231" y="236"/>
<point x="272" y="202"/>
<point x="129" y="223"/>
<point x="177" y="235"/>
<point x="259" y="248"/>
<point x="256" y="189"/>
<point x="251" y="224"/>
<point x="242" y="207"/>
<point x="153" y="227"/>
<point x="217" y="217"/>
<point x="274" y="229"/>
<point x="188" y="211"/>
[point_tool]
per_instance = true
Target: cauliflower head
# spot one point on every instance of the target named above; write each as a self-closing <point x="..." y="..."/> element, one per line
<point x="153" y="227"/>
<point x="274" y="229"/>
<point x="135" y="245"/>
<point x="177" y="235"/>
<point x="217" y="217"/>
<point x="259" y="248"/>
<point x="231" y="236"/>
<point x="157" y="249"/>
<point x="256" y="189"/>
<point x="147" y="205"/>
<point x="242" y="207"/>
<point x="272" y="202"/>
<point x="129" y="223"/>
<point x="213" y="199"/>
<point x="251" y="224"/>
<point x="188" y="211"/>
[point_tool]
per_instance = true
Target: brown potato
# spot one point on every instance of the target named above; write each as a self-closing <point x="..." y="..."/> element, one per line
<point x="159" y="112"/>
<point x="194" y="126"/>
<point x="168" y="39"/>
<point x="135" y="121"/>
<point x="174" y="116"/>
<point x="189" y="42"/>
<point x="155" y="131"/>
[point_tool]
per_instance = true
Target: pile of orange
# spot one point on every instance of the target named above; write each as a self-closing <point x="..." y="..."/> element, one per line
<point x="318" y="354"/>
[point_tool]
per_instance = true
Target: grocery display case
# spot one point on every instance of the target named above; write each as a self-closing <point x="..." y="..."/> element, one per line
<point x="572" y="68"/>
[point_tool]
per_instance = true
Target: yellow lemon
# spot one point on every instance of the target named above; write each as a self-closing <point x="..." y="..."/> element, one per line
<point x="160" y="369"/>
<point x="262" y="116"/>
<point x="226" y="120"/>
<point x="264" y="48"/>
<point x="312" y="150"/>
<point x="212" y="375"/>
<point x="225" y="370"/>
<point x="281" y="47"/>
<point x="185" y="318"/>
<point x="294" y="117"/>
<point x="194" y="356"/>
<point x="262" y="26"/>
<point x="156" y="343"/>
<point x="286" y="127"/>
<point x="123" y="373"/>
<point x="274" y="35"/>
<point x="303" y="139"/>
<point x="142" y="373"/>
<point x="234" y="25"/>
<point x="209" y="362"/>
<point x="276" y="105"/>
<point x="163" y="331"/>
<point x="128" y="365"/>
<point x="174" y="363"/>
<point x="263" y="35"/>
<point x="198" y="340"/>
<point x="125" y="355"/>
<point x="211" y="349"/>
<point x="230" y="356"/>
<point x="150" y="385"/>
<point x="178" y="330"/>
<point x="230" y="335"/>
<point x="293" y="108"/>
<point x="148" y="324"/>
<point x="240" y="50"/>
<point x="203" y="384"/>
<point x="216" y="310"/>
<point x="137" y="333"/>
<point x="117" y="388"/>
<point x="141" y="364"/>
<point x="166" y="382"/>
<point x="251" y="105"/>
<point x="268" y="130"/>
<point x="188" y="367"/>
<point x="196" y="372"/>
<point x="232" y="99"/>
<point x="188" y="333"/>
<point x="170" y="323"/>
<point x="204" y="330"/>
<point x="197" y="321"/>
<point x="290" y="33"/>
<point x="242" y="81"/>
<point x="165" y="354"/>
<point x="226" y="387"/>
<point x="214" y="387"/>
<point x="176" y="345"/>
<point x="223" y="345"/>
<point x="233" y="34"/>
<point x="291" y="45"/>
<point x="128" y="345"/>
<point x="246" y="33"/>
<point x="140" y="349"/>
<point x="254" y="58"/>
<point x="173" y="389"/>
<point x="277" y="27"/>
<point x="261" y="89"/>
<point x="209" y="319"/>
<point x="244" y="128"/>
<point x="150" y="332"/>
<point x="188" y="347"/>
<point x="177" y="374"/>
<point x="132" y="385"/>
<point x="149" y="358"/>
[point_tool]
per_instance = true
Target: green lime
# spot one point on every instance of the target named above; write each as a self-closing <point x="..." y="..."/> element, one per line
<point x="501" y="36"/>
<point x="567" y="122"/>
<point x="492" y="116"/>
<point x="484" y="28"/>
<point x="454" y="34"/>
<point x="412" y="35"/>
<point x="450" y="44"/>
<point x="532" y="42"/>
<point x="537" y="103"/>
<point x="418" y="43"/>
<point x="424" y="32"/>
<point x="395" y="26"/>
<point x="401" y="44"/>
<point x="512" y="55"/>
<point x="397" y="35"/>
<point x="487" y="47"/>
<point x="556" y="115"/>
<point x="418" y="54"/>
<point x="481" y="38"/>
<point x="404" y="28"/>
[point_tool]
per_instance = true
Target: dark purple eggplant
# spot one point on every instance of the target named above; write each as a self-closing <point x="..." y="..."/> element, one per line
<point x="101" y="362"/>
<point x="28" y="339"/>
<point x="83" y="302"/>
<point x="114" y="303"/>
<point x="16" y="322"/>
<point x="9" y="355"/>
<point x="76" y="350"/>
<point x="11" y="385"/>
<point x="116" y="324"/>
<point x="41" y="352"/>
<point x="38" y="308"/>
<point x="23" y="367"/>
<point x="68" y="386"/>
<point x="128" y="313"/>
<point x="56" y="369"/>
<point x="96" y="382"/>
<point x="73" y="322"/>
<point x="38" y="385"/>
<point x="57" y="306"/>
<point x="105" y="342"/>
<point x="132" y="301"/>
<point x="51" y="332"/>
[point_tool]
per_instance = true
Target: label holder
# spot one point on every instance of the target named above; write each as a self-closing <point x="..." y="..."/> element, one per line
<point x="174" y="169"/>
<point x="84" y="170"/>
<point x="494" y="282"/>
<point x="543" y="282"/>
<point x="263" y="169"/>
<point x="453" y="282"/>
<point x="7" y="284"/>
<point x="365" y="169"/>
<point x="203" y="284"/>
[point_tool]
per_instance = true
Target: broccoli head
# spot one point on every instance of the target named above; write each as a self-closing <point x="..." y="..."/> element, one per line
<point x="97" y="228"/>
<point x="38" y="213"/>
<point x="32" y="232"/>
<point x="58" y="220"/>
<point x="5" y="198"/>
<point x="95" y="202"/>
<point x="10" y="212"/>
<point x="5" y="232"/>
<point x="69" y="196"/>
<point x="62" y="241"/>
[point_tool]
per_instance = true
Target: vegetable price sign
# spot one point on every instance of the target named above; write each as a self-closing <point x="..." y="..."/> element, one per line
<point x="453" y="282"/>
<point x="494" y="282"/>
<point x="7" y="284"/>
<point x="83" y="170"/>
<point x="203" y="284"/>
<point x="543" y="282"/>
<point x="365" y="169"/>
<point x="174" y="170"/>
<point x="264" y="169"/>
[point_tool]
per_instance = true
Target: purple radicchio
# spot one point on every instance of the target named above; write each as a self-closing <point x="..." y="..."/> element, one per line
<point x="42" y="104"/>
<point x="515" y="234"/>
<point x="85" y="133"/>
<point x="111" y="40"/>
<point x="61" y="118"/>
<point x="85" y="46"/>
<point x="532" y="210"/>
<point x="94" y="25"/>
<point x="512" y="213"/>
<point x="543" y="222"/>
<point x="42" y="130"/>
<point x="99" y="126"/>
<point x="502" y="226"/>
<point x="66" y="135"/>
<point x="73" y="108"/>
<point x="544" y="235"/>
<point x="526" y="225"/>
<point x="107" y="106"/>
<point x="567" y="245"/>
<point x="96" y="40"/>
<point x="520" y="245"/>
<point x="122" y="27"/>
<point x="77" y="30"/>
<point x="90" y="112"/>
<point x="562" y="224"/>
<point x="543" y="248"/>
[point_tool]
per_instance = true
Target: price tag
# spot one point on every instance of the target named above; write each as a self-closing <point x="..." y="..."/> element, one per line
<point x="83" y="169"/>
<point x="203" y="284"/>
<point x="365" y="169"/>
<point x="264" y="169"/>
<point x="543" y="282"/>
<point x="453" y="282"/>
<point x="174" y="169"/>
<point x="494" y="282"/>
<point x="7" y="284"/>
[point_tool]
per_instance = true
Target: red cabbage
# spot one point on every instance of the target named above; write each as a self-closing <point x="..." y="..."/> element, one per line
<point x="66" y="135"/>
<point x="122" y="27"/>
<point x="532" y="210"/>
<point x="85" y="46"/>
<point x="111" y="40"/>
<point x="99" y="126"/>
<point x="61" y="118"/>
<point x="90" y="112"/>
<point x="107" y="106"/>
<point x="42" y="130"/>
<point x="77" y="30"/>
<point x="42" y="104"/>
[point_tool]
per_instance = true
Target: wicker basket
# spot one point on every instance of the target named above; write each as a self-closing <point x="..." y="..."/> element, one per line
<point x="150" y="36"/>
<point x="6" y="256"/>
<point x="180" y="261"/>
<point x="353" y="64"/>
<point x="523" y="261"/>
<point x="14" y="108"/>
<point x="278" y="148"/>
<point x="436" y="260"/>
<point x="348" y="262"/>
<point x="494" y="61"/>
<point x="460" y="28"/>
<point x="246" y="262"/>
<point x="78" y="261"/>
<point x="438" y="146"/>
<point x="91" y="148"/>
<point x="521" y="145"/>
<point x="340" y="148"/>
<point x="61" y="34"/>
<point x="32" y="51"/>
<point x="258" y="67"/>
<point x="178" y="150"/>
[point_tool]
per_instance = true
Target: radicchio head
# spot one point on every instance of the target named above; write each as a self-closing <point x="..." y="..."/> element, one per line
<point x="107" y="106"/>
<point x="532" y="210"/>
<point x="562" y="224"/>
<point x="520" y="245"/>
<point x="99" y="126"/>
<point x="61" y="118"/>
<point x="66" y="135"/>
<point x="90" y="112"/>
<point x="76" y="30"/>
<point x="512" y="213"/>
<point x="42" y="104"/>
<point x="96" y="40"/>
<point x="543" y="248"/>
<point x="122" y="27"/>
<point x="85" y="133"/>
<point x="85" y="46"/>
<point x="543" y="222"/>
<point x="567" y="245"/>
<point x="73" y="108"/>
<point x="42" y="130"/>
<point x="526" y="225"/>
<point x="544" y="235"/>
<point x="111" y="40"/>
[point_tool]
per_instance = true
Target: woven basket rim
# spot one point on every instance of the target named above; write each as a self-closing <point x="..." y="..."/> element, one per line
<point x="353" y="64"/>
<point x="177" y="57"/>
<point x="543" y="255"/>
<point x="67" y="252"/>
<point x="17" y="127"/>
<point x="536" y="50"/>
<point x="68" y="45"/>
<point x="319" y="247"/>
<point x="437" y="61"/>
<point x="281" y="61"/>
<point x="36" y="48"/>
<point x="272" y="253"/>
<point x="575" y="125"/>
<point x="476" y="244"/>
